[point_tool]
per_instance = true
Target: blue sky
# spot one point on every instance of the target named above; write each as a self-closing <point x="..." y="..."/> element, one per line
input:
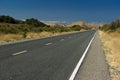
<point x="98" y="11"/>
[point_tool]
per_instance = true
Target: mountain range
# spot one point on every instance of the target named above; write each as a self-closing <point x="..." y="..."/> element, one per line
<point x="80" y="23"/>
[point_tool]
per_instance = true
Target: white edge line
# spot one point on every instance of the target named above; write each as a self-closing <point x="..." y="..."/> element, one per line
<point x="72" y="77"/>
<point x="19" y="53"/>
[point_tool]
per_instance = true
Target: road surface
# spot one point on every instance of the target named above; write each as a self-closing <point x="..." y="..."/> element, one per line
<point x="52" y="58"/>
<point x="94" y="66"/>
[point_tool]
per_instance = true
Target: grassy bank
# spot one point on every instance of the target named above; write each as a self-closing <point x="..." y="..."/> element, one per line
<point x="32" y="28"/>
<point x="111" y="46"/>
<point x="12" y="30"/>
<point x="5" y="38"/>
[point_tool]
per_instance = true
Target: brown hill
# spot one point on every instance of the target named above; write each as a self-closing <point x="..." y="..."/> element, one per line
<point x="84" y="24"/>
<point x="80" y="23"/>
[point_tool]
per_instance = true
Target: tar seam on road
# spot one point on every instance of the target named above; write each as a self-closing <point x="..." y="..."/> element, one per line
<point x="72" y="77"/>
<point x="48" y="44"/>
<point x="18" y="53"/>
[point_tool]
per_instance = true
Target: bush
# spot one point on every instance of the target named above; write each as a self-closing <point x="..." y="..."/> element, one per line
<point x="8" y="19"/>
<point x="76" y="28"/>
<point x="113" y="26"/>
<point x="34" y="23"/>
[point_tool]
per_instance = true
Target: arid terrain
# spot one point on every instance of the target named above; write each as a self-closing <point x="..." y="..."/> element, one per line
<point x="6" y="38"/>
<point x="111" y="46"/>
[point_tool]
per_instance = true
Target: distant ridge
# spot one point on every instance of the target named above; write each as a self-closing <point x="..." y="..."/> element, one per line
<point x="80" y="23"/>
<point x="84" y="24"/>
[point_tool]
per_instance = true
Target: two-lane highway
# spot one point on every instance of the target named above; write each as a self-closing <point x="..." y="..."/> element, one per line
<point x="52" y="58"/>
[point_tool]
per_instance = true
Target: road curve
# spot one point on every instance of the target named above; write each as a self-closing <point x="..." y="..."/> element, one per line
<point x="52" y="58"/>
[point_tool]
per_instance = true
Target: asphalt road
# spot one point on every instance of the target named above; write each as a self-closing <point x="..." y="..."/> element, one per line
<point x="52" y="58"/>
<point x="94" y="66"/>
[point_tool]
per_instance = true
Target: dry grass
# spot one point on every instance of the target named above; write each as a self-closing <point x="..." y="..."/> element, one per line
<point x="31" y="35"/>
<point x="111" y="45"/>
<point x="9" y="38"/>
<point x="15" y="37"/>
<point x="38" y="35"/>
<point x="45" y="34"/>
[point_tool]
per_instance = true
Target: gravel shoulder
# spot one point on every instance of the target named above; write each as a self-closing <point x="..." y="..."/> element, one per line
<point x="94" y="66"/>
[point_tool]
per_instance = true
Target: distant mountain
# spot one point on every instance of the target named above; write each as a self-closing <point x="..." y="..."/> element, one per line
<point x="76" y="23"/>
<point x="54" y="23"/>
<point x="84" y="24"/>
<point x="80" y="23"/>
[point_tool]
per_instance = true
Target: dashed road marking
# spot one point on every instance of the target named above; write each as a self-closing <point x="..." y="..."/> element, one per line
<point x="62" y="39"/>
<point x="48" y="44"/>
<point x="18" y="53"/>
<point x="69" y="37"/>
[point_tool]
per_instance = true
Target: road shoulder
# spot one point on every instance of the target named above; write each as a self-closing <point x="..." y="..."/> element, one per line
<point x="94" y="66"/>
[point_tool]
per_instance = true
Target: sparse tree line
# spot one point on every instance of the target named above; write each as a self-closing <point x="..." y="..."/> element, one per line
<point x="10" y="25"/>
<point x="111" y="27"/>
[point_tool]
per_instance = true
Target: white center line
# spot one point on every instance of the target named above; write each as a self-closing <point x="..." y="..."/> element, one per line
<point x="18" y="53"/>
<point x="48" y="44"/>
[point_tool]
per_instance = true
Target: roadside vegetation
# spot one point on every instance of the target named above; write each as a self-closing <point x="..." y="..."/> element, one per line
<point x="12" y="29"/>
<point x="112" y="27"/>
<point x="110" y="37"/>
